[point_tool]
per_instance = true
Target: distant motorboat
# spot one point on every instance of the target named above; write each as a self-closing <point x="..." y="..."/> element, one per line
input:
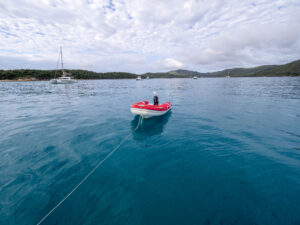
<point x="148" y="78"/>
<point x="228" y="75"/>
<point x="139" y="78"/>
<point x="195" y="77"/>
<point x="66" y="78"/>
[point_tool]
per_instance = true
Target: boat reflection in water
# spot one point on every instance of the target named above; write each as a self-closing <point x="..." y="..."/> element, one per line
<point x="149" y="127"/>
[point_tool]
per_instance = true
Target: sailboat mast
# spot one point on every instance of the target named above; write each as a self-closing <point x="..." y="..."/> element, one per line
<point x="62" y="62"/>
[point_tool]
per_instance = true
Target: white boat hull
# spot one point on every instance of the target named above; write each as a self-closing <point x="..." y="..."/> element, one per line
<point x="53" y="81"/>
<point x="61" y="81"/>
<point x="145" y="113"/>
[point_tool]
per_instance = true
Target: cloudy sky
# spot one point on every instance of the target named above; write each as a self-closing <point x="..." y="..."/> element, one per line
<point x="148" y="35"/>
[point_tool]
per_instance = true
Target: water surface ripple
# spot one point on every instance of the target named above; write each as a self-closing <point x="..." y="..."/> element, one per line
<point x="228" y="153"/>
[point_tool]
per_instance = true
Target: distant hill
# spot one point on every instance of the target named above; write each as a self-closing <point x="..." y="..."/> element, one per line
<point x="290" y="69"/>
<point x="173" y="74"/>
<point x="185" y="73"/>
<point x="240" y="72"/>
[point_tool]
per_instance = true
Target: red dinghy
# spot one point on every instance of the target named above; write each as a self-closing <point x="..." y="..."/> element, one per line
<point x="147" y="110"/>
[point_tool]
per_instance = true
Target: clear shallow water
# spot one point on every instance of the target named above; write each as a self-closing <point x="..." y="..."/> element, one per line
<point x="228" y="153"/>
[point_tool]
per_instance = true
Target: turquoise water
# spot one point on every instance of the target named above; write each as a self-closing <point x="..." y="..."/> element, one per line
<point x="228" y="153"/>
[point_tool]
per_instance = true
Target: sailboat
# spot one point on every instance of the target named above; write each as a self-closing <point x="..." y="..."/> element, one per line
<point x="66" y="77"/>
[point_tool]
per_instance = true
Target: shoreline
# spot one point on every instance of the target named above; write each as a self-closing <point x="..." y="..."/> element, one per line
<point x="285" y="70"/>
<point x="31" y="80"/>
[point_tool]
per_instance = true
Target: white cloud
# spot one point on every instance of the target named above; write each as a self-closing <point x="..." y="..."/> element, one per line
<point x="141" y="35"/>
<point x="173" y="63"/>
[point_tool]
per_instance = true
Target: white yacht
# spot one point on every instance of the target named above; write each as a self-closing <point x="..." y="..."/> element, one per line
<point x="139" y="78"/>
<point x="65" y="78"/>
<point x="195" y="77"/>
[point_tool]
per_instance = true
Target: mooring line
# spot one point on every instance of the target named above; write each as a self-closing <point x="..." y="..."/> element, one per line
<point x="90" y="173"/>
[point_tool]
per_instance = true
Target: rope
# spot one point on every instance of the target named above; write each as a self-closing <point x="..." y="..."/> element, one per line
<point x="92" y="171"/>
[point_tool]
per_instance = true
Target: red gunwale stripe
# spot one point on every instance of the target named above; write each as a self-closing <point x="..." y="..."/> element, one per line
<point x="142" y="105"/>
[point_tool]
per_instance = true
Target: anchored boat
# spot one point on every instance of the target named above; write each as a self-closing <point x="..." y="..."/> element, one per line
<point x="65" y="78"/>
<point x="147" y="110"/>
